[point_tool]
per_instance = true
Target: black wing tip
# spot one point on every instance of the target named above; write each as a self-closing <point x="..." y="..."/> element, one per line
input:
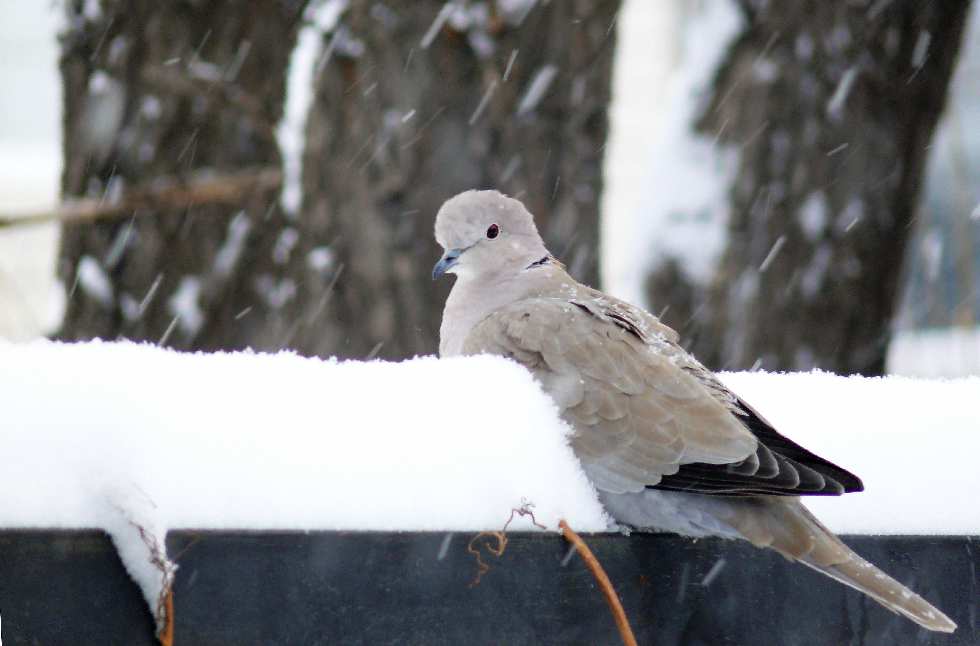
<point x="851" y="483"/>
<point x="792" y="478"/>
<point x="786" y="448"/>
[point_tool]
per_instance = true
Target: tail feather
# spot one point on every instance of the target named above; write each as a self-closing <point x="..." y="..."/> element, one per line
<point x="788" y="527"/>
<point x="865" y="577"/>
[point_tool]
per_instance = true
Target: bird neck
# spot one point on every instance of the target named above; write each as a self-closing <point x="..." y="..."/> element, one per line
<point x="473" y="298"/>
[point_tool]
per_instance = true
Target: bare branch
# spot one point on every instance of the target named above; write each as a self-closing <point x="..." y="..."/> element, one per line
<point x="161" y="194"/>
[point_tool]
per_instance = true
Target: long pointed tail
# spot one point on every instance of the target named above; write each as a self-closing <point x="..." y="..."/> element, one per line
<point x="788" y="527"/>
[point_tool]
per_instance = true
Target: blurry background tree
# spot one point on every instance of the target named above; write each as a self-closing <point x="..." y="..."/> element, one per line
<point x="413" y="103"/>
<point x="816" y="127"/>
<point x="157" y="91"/>
<point x="277" y="166"/>
<point x="421" y="101"/>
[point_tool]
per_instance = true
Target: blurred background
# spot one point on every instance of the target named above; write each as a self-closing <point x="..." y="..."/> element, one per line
<point x="790" y="185"/>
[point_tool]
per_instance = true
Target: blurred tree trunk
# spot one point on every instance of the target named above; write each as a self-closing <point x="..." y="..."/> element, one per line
<point x="831" y="107"/>
<point x="166" y="90"/>
<point x="416" y="102"/>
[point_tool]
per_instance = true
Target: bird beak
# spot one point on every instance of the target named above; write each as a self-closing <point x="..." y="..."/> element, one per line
<point x="447" y="262"/>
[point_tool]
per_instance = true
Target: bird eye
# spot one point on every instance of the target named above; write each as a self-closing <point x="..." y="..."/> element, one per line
<point x="493" y="231"/>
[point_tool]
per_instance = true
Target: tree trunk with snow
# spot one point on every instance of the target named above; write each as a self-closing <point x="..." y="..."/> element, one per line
<point x="168" y="90"/>
<point x="416" y="103"/>
<point x="827" y="109"/>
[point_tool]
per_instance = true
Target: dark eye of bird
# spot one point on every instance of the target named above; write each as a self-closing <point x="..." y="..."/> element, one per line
<point x="493" y="231"/>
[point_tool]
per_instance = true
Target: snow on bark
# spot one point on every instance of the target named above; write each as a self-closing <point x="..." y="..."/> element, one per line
<point x="308" y="56"/>
<point x="683" y="213"/>
<point x="793" y="259"/>
<point x="204" y="94"/>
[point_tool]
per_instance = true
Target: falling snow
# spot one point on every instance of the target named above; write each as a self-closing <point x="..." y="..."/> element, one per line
<point x="185" y="305"/>
<point x="848" y="218"/>
<point x="285" y="243"/>
<point x="93" y="280"/>
<point x="773" y="252"/>
<point x="231" y="249"/>
<point x="275" y="293"/>
<point x="320" y="258"/>
<point x="536" y="89"/>
<point x="812" y="216"/>
<point x="835" y="105"/>
<point x="437" y="24"/>
<point x="713" y="573"/>
<point x="921" y="49"/>
<point x="815" y="273"/>
<point x="483" y="103"/>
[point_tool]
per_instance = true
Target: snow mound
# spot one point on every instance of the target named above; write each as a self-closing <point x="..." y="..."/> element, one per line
<point x="913" y="442"/>
<point x="244" y="440"/>
<point x="258" y="441"/>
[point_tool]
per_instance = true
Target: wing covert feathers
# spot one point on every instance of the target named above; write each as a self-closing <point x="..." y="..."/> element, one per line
<point x="636" y="415"/>
<point x="643" y="410"/>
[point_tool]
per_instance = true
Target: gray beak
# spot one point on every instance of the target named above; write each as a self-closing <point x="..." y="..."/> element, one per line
<point x="447" y="262"/>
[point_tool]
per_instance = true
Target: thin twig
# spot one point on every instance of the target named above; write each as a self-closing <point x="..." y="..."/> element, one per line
<point x="166" y="634"/>
<point x="163" y="193"/>
<point x="622" y="623"/>
<point x="164" y="613"/>
<point x="481" y="565"/>
<point x="501" y="536"/>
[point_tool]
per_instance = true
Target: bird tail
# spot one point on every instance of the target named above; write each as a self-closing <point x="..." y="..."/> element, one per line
<point x="788" y="527"/>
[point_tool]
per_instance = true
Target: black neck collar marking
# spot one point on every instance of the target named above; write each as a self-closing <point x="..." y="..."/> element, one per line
<point x="538" y="263"/>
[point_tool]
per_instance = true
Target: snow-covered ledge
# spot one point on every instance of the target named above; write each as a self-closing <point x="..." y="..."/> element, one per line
<point x="138" y="440"/>
<point x="258" y="441"/>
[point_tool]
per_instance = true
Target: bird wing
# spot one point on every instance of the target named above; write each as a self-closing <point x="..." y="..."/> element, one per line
<point x="636" y="415"/>
<point x="645" y="413"/>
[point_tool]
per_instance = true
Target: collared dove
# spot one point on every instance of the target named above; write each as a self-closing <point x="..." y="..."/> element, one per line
<point x="666" y="444"/>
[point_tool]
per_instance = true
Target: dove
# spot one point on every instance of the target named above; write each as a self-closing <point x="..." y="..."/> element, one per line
<point x="666" y="444"/>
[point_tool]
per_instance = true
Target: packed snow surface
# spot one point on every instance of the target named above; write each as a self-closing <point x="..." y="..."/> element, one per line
<point x="254" y="441"/>
<point x="913" y="442"/>
<point x="279" y="441"/>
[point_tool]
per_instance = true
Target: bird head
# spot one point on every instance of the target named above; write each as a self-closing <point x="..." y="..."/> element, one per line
<point x="486" y="233"/>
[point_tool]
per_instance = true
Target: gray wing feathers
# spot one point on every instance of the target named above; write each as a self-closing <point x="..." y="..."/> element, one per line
<point x="636" y="414"/>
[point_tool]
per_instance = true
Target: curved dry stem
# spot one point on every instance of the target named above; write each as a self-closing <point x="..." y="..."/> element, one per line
<point x="619" y="615"/>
